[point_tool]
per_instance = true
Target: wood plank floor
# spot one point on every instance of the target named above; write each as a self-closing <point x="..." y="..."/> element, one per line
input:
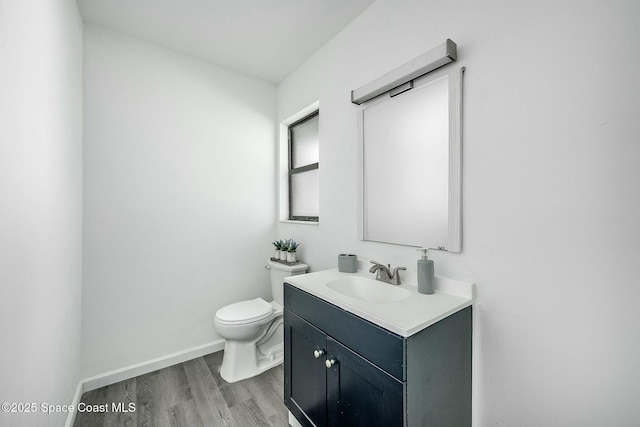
<point x="189" y="394"/>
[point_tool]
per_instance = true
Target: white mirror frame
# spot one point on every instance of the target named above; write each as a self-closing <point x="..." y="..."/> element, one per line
<point x="454" y="233"/>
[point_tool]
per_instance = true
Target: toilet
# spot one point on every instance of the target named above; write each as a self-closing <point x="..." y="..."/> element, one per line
<point x="253" y="330"/>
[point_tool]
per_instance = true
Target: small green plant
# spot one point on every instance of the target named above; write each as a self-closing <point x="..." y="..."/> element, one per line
<point x="292" y="245"/>
<point x="287" y="245"/>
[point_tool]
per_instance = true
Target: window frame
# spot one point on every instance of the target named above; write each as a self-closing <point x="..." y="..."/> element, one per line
<point x="293" y="171"/>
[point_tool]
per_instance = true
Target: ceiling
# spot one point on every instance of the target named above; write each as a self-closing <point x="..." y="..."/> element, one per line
<point x="267" y="39"/>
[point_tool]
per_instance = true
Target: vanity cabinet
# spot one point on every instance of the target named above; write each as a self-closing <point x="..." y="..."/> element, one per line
<point x="342" y="370"/>
<point x="338" y="387"/>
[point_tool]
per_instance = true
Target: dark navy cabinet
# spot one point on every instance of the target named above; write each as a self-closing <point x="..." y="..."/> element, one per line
<point x="359" y="394"/>
<point x="306" y="396"/>
<point x="342" y="370"/>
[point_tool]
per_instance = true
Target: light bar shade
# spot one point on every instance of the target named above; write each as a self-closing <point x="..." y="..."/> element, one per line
<point x="428" y="61"/>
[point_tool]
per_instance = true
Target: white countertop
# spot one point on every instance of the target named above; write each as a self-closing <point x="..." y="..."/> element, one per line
<point x="404" y="317"/>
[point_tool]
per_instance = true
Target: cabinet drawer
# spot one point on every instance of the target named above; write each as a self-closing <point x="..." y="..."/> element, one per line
<point x="383" y="348"/>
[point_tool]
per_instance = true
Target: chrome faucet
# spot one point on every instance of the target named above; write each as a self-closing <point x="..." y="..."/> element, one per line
<point x="384" y="274"/>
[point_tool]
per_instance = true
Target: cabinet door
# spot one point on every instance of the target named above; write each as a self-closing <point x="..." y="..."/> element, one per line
<point x="305" y="383"/>
<point x="359" y="393"/>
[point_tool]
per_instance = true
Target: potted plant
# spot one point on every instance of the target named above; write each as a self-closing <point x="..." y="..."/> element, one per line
<point x="292" y="246"/>
<point x="277" y="246"/>
<point x="284" y="247"/>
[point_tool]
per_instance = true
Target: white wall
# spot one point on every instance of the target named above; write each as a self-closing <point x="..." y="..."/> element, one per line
<point x="179" y="198"/>
<point x="550" y="191"/>
<point x="40" y="205"/>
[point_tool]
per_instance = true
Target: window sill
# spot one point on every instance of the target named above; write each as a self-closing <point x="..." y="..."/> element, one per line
<point x="289" y="221"/>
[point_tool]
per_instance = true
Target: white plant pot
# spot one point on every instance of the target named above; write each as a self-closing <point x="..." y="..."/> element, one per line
<point x="277" y="254"/>
<point x="283" y="255"/>
<point x="291" y="256"/>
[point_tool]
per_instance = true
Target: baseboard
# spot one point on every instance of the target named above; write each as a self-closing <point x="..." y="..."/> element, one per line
<point x="293" y="422"/>
<point x="71" y="418"/>
<point x="131" y="371"/>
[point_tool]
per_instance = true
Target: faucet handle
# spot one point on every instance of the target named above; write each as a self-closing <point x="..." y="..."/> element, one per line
<point x="395" y="277"/>
<point x="375" y="267"/>
<point x="375" y="263"/>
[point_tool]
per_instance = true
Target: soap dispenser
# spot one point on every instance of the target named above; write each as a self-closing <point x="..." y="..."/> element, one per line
<point x="426" y="280"/>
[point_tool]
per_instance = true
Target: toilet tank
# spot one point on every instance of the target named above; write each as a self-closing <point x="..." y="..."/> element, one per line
<point x="278" y="272"/>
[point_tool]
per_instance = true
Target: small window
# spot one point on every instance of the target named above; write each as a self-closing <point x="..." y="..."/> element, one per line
<point x="303" y="169"/>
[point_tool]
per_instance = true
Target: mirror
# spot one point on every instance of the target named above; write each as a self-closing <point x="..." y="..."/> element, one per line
<point x="409" y="164"/>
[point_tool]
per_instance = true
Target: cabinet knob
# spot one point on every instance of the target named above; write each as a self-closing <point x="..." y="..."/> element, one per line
<point x="329" y="363"/>
<point x="317" y="353"/>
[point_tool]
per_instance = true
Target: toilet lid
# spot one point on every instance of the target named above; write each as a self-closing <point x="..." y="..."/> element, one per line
<point x="245" y="311"/>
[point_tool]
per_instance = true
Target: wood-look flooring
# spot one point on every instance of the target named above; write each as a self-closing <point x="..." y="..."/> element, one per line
<point x="190" y="394"/>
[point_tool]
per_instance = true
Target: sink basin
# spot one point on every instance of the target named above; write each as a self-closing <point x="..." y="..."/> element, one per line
<point x="368" y="290"/>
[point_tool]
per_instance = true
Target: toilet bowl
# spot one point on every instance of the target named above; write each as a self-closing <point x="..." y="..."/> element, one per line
<point x="252" y="329"/>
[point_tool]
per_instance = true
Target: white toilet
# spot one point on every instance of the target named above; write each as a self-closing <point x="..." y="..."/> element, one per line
<point x="253" y="329"/>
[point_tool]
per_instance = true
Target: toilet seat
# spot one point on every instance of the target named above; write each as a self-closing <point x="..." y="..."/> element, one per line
<point x="244" y="312"/>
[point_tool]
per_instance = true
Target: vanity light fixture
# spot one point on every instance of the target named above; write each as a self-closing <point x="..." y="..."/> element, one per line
<point x="428" y="61"/>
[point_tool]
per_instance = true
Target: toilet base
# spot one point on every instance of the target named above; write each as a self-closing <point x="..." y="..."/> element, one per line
<point x="242" y="360"/>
